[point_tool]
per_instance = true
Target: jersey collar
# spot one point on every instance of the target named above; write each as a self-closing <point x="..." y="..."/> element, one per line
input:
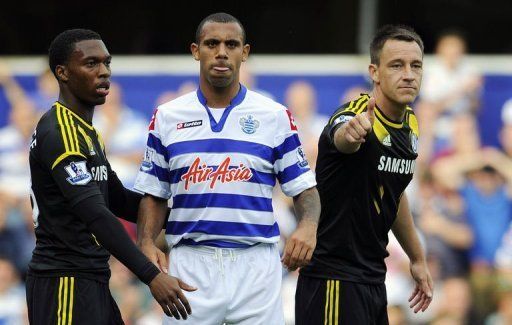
<point x="217" y="127"/>
<point x="386" y="120"/>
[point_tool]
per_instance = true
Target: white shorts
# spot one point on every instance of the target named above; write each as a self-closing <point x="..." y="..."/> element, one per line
<point x="234" y="286"/>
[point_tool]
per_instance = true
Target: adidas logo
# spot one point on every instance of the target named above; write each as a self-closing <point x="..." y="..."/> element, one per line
<point x="387" y="141"/>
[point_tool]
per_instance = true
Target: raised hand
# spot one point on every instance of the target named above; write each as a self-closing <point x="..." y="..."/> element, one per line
<point x="360" y="125"/>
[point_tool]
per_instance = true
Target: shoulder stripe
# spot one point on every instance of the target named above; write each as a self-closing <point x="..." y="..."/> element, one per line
<point x="82" y="132"/>
<point x="62" y="131"/>
<point x="68" y="131"/>
<point x="339" y="113"/>
<point x="75" y="115"/>
<point x="349" y="108"/>
<point x="353" y="107"/>
<point x="69" y="136"/>
<point x="360" y="101"/>
<point x="73" y="129"/>
<point x="100" y="140"/>
<point x="362" y="107"/>
<point x="65" y="155"/>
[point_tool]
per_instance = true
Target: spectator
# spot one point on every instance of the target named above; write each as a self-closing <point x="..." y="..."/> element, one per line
<point x="249" y="80"/>
<point x="123" y="131"/>
<point x="168" y="95"/>
<point x="503" y="314"/>
<point x="484" y="179"/>
<point x="448" y="235"/>
<point x="47" y="91"/>
<point x="456" y="301"/>
<point x="16" y="230"/>
<point x="450" y="87"/>
<point x="353" y="93"/>
<point x="301" y="101"/>
<point x="12" y="295"/>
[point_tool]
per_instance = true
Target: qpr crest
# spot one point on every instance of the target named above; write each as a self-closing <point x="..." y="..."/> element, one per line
<point x="249" y="124"/>
<point x="414" y="142"/>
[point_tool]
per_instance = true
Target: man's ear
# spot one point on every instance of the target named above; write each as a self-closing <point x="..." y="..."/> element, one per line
<point x="245" y="53"/>
<point x="374" y="72"/>
<point x="62" y="73"/>
<point x="194" y="49"/>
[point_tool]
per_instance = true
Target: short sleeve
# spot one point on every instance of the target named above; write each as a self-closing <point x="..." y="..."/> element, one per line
<point x="74" y="179"/>
<point x="290" y="164"/>
<point x="153" y="176"/>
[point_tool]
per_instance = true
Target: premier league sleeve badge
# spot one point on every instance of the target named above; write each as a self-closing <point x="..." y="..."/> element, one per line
<point x="78" y="173"/>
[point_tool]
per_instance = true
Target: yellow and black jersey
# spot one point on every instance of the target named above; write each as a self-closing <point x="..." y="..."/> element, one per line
<point x="67" y="165"/>
<point x="360" y="193"/>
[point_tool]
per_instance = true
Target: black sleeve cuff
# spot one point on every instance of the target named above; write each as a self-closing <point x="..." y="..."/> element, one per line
<point x="148" y="273"/>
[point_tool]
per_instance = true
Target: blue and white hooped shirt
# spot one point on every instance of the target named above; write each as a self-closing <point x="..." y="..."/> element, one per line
<point x="220" y="176"/>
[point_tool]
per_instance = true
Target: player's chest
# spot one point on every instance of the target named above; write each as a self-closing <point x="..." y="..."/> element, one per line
<point x="393" y="154"/>
<point x="238" y="125"/>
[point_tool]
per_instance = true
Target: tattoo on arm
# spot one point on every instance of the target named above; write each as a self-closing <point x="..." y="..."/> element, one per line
<point x="307" y="205"/>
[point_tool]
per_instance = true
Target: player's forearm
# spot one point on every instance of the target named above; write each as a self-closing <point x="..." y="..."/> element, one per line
<point x="110" y="234"/>
<point x="13" y="91"/>
<point x="307" y="205"/>
<point x="456" y="235"/>
<point x="151" y="219"/>
<point x="450" y="171"/>
<point x="406" y="234"/>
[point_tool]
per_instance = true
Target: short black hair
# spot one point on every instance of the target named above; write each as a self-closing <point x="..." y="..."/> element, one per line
<point x="219" y="17"/>
<point x="393" y="32"/>
<point x="63" y="45"/>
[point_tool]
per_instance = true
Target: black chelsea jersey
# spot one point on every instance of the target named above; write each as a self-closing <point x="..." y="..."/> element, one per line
<point x="360" y="194"/>
<point x="67" y="165"/>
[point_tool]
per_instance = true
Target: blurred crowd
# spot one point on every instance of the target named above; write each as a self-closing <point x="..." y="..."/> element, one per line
<point x="460" y="196"/>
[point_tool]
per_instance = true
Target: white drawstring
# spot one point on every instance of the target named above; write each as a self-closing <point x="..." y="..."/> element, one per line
<point x="219" y="255"/>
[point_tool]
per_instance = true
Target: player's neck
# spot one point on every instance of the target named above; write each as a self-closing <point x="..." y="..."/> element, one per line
<point x="392" y="110"/>
<point x="219" y="97"/>
<point x="85" y="111"/>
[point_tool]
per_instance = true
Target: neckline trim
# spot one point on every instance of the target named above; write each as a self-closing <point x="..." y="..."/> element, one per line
<point x="237" y="100"/>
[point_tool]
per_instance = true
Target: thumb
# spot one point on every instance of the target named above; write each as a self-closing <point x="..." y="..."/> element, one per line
<point x="162" y="261"/>
<point x="370" y="110"/>
<point x="185" y="286"/>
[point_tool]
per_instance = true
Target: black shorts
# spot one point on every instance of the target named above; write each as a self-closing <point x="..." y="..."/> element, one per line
<point x="70" y="300"/>
<point x="331" y="302"/>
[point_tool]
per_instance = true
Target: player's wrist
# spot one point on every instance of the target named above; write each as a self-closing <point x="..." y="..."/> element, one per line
<point x="308" y="222"/>
<point x="148" y="273"/>
<point x="146" y="242"/>
<point x="418" y="260"/>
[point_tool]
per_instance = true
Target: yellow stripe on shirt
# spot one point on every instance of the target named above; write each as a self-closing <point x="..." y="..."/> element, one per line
<point x="59" y="318"/>
<point x="71" y="298"/>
